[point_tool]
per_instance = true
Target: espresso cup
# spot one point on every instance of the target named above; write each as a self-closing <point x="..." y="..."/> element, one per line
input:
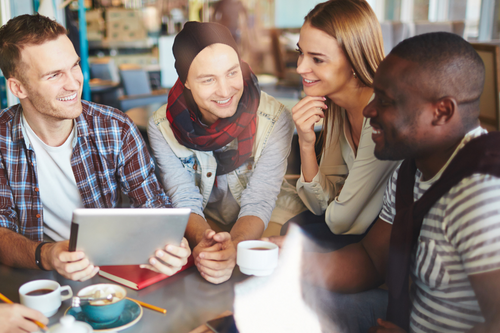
<point x="104" y="312"/>
<point x="256" y="257"/>
<point x="44" y="295"/>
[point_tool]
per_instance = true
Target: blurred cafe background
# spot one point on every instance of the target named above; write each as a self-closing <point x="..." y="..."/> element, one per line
<point x="126" y="45"/>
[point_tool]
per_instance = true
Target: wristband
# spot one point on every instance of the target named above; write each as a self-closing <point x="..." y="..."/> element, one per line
<point x="38" y="257"/>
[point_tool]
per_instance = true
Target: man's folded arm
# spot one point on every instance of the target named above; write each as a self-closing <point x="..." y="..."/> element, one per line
<point x="487" y="289"/>
<point x="246" y="228"/>
<point x="17" y="250"/>
<point x="354" y="268"/>
<point x="258" y="199"/>
<point x="195" y="229"/>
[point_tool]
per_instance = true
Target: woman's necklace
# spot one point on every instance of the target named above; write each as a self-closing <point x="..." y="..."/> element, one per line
<point x="356" y="137"/>
<point x="351" y="129"/>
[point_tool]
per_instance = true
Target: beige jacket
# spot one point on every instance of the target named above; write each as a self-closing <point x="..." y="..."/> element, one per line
<point x="361" y="178"/>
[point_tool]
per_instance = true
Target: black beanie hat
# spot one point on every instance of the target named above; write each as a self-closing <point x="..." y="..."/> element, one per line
<point x="193" y="38"/>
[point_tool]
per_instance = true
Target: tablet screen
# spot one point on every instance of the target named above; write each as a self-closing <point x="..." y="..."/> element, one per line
<point x="126" y="236"/>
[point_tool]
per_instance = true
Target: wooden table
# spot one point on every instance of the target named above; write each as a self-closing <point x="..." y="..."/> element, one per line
<point x="140" y="115"/>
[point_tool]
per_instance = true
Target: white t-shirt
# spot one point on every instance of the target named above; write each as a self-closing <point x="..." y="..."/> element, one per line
<point x="56" y="184"/>
<point x="459" y="237"/>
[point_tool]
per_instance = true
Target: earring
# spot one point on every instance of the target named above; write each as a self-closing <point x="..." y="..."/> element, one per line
<point x="354" y="74"/>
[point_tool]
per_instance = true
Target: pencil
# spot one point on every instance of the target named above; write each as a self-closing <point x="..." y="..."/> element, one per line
<point x="8" y="301"/>
<point x="149" y="306"/>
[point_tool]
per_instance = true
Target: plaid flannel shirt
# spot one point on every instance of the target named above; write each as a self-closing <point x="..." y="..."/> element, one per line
<point x="109" y="157"/>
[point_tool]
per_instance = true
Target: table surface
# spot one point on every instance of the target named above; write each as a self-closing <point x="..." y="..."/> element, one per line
<point x="189" y="299"/>
<point x="140" y="115"/>
<point x="97" y="86"/>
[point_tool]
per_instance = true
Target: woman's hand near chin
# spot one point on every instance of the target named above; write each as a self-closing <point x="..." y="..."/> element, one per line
<point x="306" y="114"/>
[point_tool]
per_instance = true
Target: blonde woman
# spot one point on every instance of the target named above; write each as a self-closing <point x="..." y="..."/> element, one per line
<point x="340" y="48"/>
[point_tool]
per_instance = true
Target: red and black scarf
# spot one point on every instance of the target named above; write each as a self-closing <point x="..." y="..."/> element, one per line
<point x="184" y="118"/>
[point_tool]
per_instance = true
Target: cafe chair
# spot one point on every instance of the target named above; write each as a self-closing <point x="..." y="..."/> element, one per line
<point x="489" y="103"/>
<point x="138" y="91"/>
<point x="105" y="82"/>
<point x="104" y="69"/>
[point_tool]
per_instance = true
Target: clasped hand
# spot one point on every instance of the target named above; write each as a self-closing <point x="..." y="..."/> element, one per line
<point x="215" y="256"/>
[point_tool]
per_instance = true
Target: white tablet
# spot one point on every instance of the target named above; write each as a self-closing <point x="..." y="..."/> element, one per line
<point x="126" y="236"/>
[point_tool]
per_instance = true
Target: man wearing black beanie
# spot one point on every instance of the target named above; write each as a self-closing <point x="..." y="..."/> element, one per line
<point x="222" y="147"/>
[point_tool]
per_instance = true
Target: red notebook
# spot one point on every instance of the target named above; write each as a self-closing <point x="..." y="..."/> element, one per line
<point x="135" y="277"/>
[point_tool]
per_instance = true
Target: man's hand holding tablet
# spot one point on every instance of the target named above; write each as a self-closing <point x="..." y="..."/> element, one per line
<point x="71" y="265"/>
<point x="169" y="260"/>
<point x="76" y="266"/>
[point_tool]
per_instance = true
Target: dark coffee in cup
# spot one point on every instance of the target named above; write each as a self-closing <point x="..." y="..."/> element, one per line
<point x="39" y="292"/>
<point x="44" y="296"/>
<point x="259" y="248"/>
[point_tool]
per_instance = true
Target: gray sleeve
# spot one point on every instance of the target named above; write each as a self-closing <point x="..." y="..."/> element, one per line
<point x="259" y="197"/>
<point x="176" y="180"/>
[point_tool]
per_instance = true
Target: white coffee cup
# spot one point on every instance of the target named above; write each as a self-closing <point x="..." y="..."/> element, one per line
<point x="257" y="257"/>
<point x="36" y="295"/>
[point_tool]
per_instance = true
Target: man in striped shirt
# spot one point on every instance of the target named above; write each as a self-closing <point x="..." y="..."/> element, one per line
<point x="58" y="153"/>
<point x="426" y="108"/>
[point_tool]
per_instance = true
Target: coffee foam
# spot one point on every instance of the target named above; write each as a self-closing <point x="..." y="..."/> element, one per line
<point x="104" y="290"/>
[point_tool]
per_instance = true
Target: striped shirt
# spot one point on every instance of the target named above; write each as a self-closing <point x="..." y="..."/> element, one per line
<point x="109" y="157"/>
<point x="460" y="236"/>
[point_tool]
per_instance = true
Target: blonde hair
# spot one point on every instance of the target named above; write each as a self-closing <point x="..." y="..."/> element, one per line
<point x="356" y="28"/>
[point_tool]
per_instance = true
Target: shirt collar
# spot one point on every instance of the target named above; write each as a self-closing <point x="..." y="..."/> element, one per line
<point x="476" y="132"/>
<point x="19" y="132"/>
<point x="17" y="127"/>
<point x="82" y="127"/>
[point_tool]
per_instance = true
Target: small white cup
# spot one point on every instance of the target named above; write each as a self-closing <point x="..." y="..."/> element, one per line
<point x="257" y="258"/>
<point x="47" y="303"/>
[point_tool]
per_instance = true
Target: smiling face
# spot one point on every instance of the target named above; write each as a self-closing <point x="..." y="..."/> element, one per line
<point x="322" y="63"/>
<point x="51" y="80"/>
<point x="216" y="82"/>
<point x="400" y="116"/>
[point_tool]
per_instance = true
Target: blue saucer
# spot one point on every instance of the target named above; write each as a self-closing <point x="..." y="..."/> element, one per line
<point x="131" y="314"/>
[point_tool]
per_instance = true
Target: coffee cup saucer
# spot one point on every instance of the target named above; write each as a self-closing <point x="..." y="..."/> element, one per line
<point x="131" y="314"/>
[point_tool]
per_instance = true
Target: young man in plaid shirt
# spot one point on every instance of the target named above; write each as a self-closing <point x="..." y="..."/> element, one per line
<point x="58" y="153"/>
